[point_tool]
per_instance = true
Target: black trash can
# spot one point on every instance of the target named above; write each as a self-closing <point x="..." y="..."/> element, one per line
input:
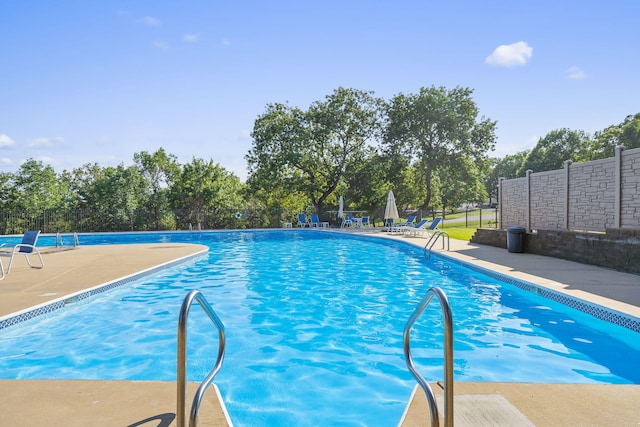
<point x="515" y="239"/>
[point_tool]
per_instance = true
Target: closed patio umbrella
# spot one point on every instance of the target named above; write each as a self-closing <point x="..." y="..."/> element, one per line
<point x="391" y="210"/>
<point x="341" y="208"/>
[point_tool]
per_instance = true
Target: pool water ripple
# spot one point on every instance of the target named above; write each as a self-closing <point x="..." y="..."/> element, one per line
<point x="314" y="330"/>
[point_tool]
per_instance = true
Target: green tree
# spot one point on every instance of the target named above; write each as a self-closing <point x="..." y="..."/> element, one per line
<point x="557" y="146"/>
<point x="626" y="133"/>
<point x="435" y="126"/>
<point x="369" y="182"/>
<point x="366" y="184"/>
<point x="506" y="167"/>
<point x="461" y="182"/>
<point x="110" y="195"/>
<point x="35" y="188"/>
<point x="157" y="171"/>
<point x="309" y="151"/>
<point x="206" y="191"/>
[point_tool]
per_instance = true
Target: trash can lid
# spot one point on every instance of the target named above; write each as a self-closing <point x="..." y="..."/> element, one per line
<point x="517" y="230"/>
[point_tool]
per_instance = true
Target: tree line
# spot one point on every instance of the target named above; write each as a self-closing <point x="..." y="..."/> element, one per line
<point x="559" y="145"/>
<point x="432" y="148"/>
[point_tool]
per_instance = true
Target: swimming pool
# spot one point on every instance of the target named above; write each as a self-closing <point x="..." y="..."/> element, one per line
<point x="314" y="322"/>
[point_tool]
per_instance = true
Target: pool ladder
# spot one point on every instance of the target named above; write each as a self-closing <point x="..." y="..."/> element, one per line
<point x="448" y="357"/>
<point x="432" y="241"/>
<point x="182" y="359"/>
<point x="60" y="243"/>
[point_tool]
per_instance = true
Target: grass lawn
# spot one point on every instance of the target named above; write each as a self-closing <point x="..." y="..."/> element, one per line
<point x="458" y="231"/>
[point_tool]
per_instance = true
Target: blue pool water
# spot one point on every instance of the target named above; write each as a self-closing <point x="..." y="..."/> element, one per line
<point x="314" y="328"/>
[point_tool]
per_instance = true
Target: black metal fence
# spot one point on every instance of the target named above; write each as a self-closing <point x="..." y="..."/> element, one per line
<point x="85" y="220"/>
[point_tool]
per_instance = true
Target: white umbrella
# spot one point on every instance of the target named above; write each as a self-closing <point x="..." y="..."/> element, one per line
<point x="391" y="210"/>
<point x="341" y="208"/>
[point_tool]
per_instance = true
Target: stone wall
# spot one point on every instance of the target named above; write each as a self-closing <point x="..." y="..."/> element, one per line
<point x="490" y="237"/>
<point x="547" y="188"/>
<point x="590" y="196"/>
<point x="618" y="249"/>
<point x="513" y="211"/>
<point x="630" y="189"/>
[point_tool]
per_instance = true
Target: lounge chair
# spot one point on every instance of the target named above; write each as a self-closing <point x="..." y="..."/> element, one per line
<point x="410" y="229"/>
<point x="433" y="225"/>
<point x="420" y="228"/>
<point x="315" y="222"/>
<point x="409" y="222"/>
<point x="26" y="248"/>
<point x="302" y="220"/>
<point x="365" y="221"/>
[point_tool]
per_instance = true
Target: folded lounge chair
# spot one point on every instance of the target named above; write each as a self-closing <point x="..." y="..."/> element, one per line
<point x="26" y="248"/>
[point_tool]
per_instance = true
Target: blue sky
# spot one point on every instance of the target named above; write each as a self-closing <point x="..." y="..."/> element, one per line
<point x="97" y="81"/>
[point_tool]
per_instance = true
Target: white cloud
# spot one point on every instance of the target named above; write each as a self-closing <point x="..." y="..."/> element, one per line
<point x="575" y="73"/>
<point x="510" y="55"/>
<point x="5" y="161"/>
<point x="6" y="141"/>
<point x="45" y="142"/>
<point x="245" y="134"/>
<point x="191" y="38"/>
<point x="225" y="42"/>
<point x="151" y="21"/>
<point x="159" y="44"/>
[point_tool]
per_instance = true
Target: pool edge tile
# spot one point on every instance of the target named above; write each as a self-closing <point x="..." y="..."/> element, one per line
<point x="50" y="306"/>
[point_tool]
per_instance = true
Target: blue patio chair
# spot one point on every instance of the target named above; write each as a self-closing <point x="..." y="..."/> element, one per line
<point x="26" y="248"/>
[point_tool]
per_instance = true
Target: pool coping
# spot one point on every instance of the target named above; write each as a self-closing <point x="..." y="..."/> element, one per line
<point x="74" y="297"/>
<point x="601" y="312"/>
<point x="596" y="310"/>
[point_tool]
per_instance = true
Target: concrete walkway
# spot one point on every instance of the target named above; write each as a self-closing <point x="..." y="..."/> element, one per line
<point x="93" y="403"/>
<point x="131" y="403"/>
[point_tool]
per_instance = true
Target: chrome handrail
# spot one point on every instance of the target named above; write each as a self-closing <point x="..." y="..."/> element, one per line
<point x="432" y="241"/>
<point x="182" y="359"/>
<point x="448" y="356"/>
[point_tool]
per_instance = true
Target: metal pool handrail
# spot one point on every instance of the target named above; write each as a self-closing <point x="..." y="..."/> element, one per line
<point x="432" y="241"/>
<point x="182" y="359"/>
<point x="448" y="356"/>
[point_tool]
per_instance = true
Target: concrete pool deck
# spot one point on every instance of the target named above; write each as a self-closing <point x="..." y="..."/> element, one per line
<point x="140" y="403"/>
